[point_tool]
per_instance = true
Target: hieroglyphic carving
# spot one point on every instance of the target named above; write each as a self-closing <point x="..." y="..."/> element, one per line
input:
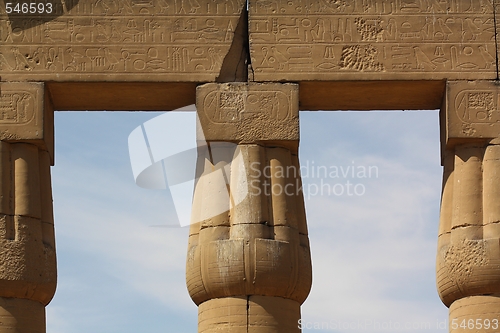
<point x="234" y="106"/>
<point x="119" y="38"/>
<point x="17" y="107"/>
<point x="472" y="110"/>
<point x="248" y="112"/>
<point x="21" y="111"/>
<point x="476" y="106"/>
<point x="301" y="39"/>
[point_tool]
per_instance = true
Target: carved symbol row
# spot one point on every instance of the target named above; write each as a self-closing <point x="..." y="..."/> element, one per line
<point x="112" y="59"/>
<point x="109" y="8"/>
<point x="133" y="30"/>
<point x="378" y="7"/>
<point x="394" y="28"/>
<point x="367" y="57"/>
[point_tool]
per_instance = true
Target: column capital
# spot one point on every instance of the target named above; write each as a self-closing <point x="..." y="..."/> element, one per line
<point x="26" y="115"/>
<point x="470" y="112"/>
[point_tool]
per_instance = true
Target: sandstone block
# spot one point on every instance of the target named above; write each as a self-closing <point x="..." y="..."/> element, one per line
<point x="27" y="196"/>
<point x="194" y="279"/>
<point x="273" y="314"/>
<point x="468" y="257"/>
<point x="47" y="212"/>
<point x="223" y="268"/>
<point x="251" y="231"/>
<point x="227" y="314"/>
<point x="475" y="314"/>
<point x="372" y="40"/>
<point x="27" y="115"/>
<point x="267" y="252"/>
<point x="214" y="233"/>
<point x="471" y="112"/>
<point x="468" y="178"/>
<point x="249" y="314"/>
<point x="21" y="316"/>
<point x="248" y="113"/>
<point x="92" y="40"/>
<point x="27" y="244"/>
<point x="496" y="4"/>
<point x="27" y="264"/>
<point x="365" y="95"/>
<point x="6" y="186"/>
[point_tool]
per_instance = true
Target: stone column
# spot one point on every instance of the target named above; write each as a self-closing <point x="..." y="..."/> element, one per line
<point x="248" y="265"/>
<point x="27" y="245"/>
<point x="468" y="260"/>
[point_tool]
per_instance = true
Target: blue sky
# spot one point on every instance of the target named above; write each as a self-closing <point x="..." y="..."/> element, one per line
<point x="373" y="254"/>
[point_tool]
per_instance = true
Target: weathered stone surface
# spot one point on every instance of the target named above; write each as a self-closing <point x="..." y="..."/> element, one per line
<point x="475" y="314"/>
<point x="249" y="265"/>
<point x="223" y="314"/>
<point x="25" y="188"/>
<point x="88" y="40"/>
<point x="371" y="40"/>
<point x="26" y="177"/>
<point x="252" y="314"/>
<point x="248" y="268"/>
<point x="496" y="5"/>
<point x="273" y="314"/>
<point x="491" y="188"/>
<point x="371" y="95"/>
<point x="27" y="264"/>
<point x="468" y="179"/>
<point x="121" y="96"/>
<point x="28" y="270"/>
<point x="26" y="115"/>
<point x="248" y="113"/>
<point x="258" y="249"/>
<point x="6" y="187"/>
<point x="27" y="256"/>
<point x="471" y="112"/>
<point x="21" y="111"/>
<point x="21" y="315"/>
<point x="468" y="257"/>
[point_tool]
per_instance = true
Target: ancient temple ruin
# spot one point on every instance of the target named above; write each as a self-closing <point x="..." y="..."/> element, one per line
<point x="250" y="67"/>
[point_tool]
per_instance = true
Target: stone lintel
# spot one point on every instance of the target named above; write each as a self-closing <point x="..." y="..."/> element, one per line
<point x="249" y="113"/>
<point x="120" y="96"/>
<point x="470" y="112"/>
<point x="118" y="41"/>
<point x="496" y="4"/>
<point x="371" y="95"/>
<point x="372" y="40"/>
<point x="26" y="115"/>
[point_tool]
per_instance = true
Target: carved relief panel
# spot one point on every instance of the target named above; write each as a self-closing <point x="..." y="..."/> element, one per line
<point x="243" y="113"/>
<point x="145" y="40"/>
<point x="472" y="110"/>
<point x="372" y="39"/>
